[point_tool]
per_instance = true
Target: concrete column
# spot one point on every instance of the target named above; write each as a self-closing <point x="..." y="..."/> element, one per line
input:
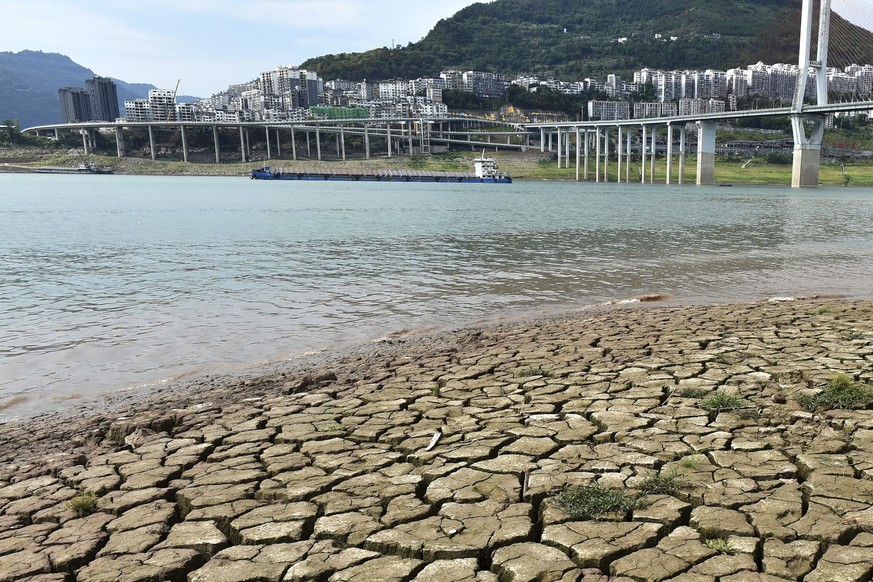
<point x="57" y="134"/>
<point x="85" y="142"/>
<point x="338" y="153"/>
<point x="585" y="166"/>
<point x="411" y="147"/>
<point x="669" y="154"/>
<point x="217" y="144"/>
<point x="318" y="142"/>
<point x="242" y="143"/>
<point x="643" y="155"/>
<point x="152" y="142"/>
<point x="654" y="151"/>
<point x="343" y="141"/>
<point x="367" y="142"/>
<point x="542" y="139"/>
<point x="551" y="148"/>
<point x="682" y="152"/>
<point x="248" y="144"/>
<point x="807" y="150"/>
<point x="559" y="148"/>
<point x="567" y="150"/>
<point x="184" y="143"/>
<point x="278" y="144"/>
<point x="597" y="155"/>
<point x="578" y="155"/>
<point x="293" y="144"/>
<point x="706" y="131"/>
<point x="627" y="166"/>
<point x="308" y="145"/>
<point x="619" y="151"/>
<point x="119" y="142"/>
<point x="606" y="155"/>
<point x="269" y="150"/>
<point x="389" y="139"/>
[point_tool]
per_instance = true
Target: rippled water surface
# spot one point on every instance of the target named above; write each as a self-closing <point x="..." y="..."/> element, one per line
<point x="110" y="282"/>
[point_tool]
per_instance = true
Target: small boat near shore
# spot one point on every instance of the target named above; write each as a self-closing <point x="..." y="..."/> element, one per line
<point x="486" y="172"/>
<point x="80" y="169"/>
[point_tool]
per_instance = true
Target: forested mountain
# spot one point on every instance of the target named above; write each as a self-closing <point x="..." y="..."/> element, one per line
<point x="29" y="83"/>
<point x="573" y="39"/>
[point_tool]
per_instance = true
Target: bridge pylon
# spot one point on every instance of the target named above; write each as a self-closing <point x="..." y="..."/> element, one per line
<point x="809" y="128"/>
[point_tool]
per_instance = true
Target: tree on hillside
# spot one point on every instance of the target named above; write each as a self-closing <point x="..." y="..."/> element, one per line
<point x="11" y="131"/>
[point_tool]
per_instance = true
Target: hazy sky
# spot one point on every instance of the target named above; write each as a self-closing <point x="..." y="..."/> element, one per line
<point x="209" y="44"/>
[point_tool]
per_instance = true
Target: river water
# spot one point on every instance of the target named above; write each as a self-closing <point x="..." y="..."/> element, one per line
<point x="114" y="282"/>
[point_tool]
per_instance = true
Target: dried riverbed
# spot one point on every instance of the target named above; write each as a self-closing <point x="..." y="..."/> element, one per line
<point x="446" y="459"/>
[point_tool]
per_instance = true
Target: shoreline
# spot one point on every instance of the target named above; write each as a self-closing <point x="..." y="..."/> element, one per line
<point x="532" y="165"/>
<point x="448" y="453"/>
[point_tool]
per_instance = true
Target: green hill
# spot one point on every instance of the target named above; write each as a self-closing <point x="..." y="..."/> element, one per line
<point x="574" y="39"/>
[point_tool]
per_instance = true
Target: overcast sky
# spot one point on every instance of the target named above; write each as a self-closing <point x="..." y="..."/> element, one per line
<point x="210" y="44"/>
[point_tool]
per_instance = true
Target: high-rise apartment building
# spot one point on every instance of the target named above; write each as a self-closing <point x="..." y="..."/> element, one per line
<point x="75" y="104"/>
<point x="104" y="99"/>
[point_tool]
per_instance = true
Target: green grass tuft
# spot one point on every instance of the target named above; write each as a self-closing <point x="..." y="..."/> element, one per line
<point x="721" y="401"/>
<point x="841" y="393"/>
<point x="661" y="484"/>
<point x="689" y="463"/>
<point x="85" y="503"/>
<point x="721" y="546"/>
<point x="591" y="502"/>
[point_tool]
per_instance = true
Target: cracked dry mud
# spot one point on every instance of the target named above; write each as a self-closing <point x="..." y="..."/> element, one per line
<point x="335" y="473"/>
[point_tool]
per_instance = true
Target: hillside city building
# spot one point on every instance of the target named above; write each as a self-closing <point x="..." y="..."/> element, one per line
<point x="97" y="102"/>
<point x="289" y="94"/>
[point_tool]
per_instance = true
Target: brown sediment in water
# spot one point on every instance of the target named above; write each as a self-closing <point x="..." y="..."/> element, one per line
<point x="451" y="452"/>
<point x="14" y="401"/>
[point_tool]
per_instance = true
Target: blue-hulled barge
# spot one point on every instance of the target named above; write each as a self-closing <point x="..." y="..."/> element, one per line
<point x="486" y="173"/>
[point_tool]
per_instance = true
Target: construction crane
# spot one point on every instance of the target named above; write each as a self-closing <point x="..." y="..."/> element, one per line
<point x="172" y="109"/>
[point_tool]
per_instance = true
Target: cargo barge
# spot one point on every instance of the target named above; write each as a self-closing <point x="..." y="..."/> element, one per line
<point x="485" y="173"/>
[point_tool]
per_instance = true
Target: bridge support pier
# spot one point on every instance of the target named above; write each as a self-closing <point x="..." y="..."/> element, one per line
<point x="706" y="131"/>
<point x="242" y="144"/>
<point x="389" y="139"/>
<point x="807" y="150"/>
<point x="217" y="144"/>
<point x="606" y="155"/>
<point x="367" y="142"/>
<point x="269" y="149"/>
<point x="559" y="148"/>
<point x="318" y="143"/>
<point x="627" y="166"/>
<point x="85" y="141"/>
<point x="654" y="152"/>
<point x="669" y="154"/>
<point x="681" y="179"/>
<point x="597" y="155"/>
<point x="585" y="164"/>
<point x="578" y="154"/>
<point x="152" y="143"/>
<point x="343" y="141"/>
<point x="682" y="147"/>
<point x="643" y="155"/>
<point x="278" y="144"/>
<point x="184" y="143"/>
<point x="618" y="152"/>
<point x="119" y="142"/>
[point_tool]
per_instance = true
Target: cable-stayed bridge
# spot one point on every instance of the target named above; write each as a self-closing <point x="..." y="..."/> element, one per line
<point x="831" y="31"/>
<point x="809" y="109"/>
